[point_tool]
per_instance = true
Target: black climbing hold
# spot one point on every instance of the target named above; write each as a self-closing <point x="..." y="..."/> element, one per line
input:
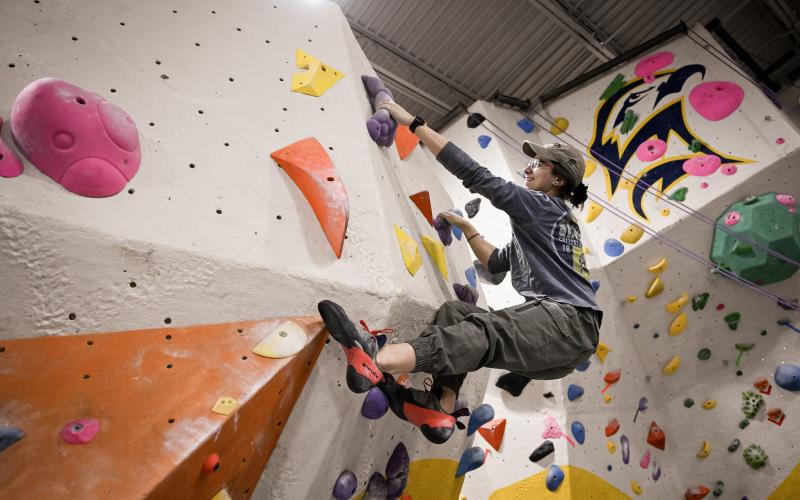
<point x="548" y="394"/>
<point x="472" y="207"/>
<point x="475" y="119"/>
<point x="542" y="451"/>
<point x="9" y="436"/>
<point x="512" y="383"/>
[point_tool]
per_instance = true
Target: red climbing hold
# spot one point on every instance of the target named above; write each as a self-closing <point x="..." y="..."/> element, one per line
<point x="612" y="427"/>
<point x="776" y="416"/>
<point x="211" y="464"/>
<point x="763" y="386"/>
<point x="656" y="437"/>
<point x="493" y="431"/>
<point x="423" y="201"/>
<point x="697" y="493"/>
<point x="312" y="170"/>
<point x="405" y="140"/>
<point x="611" y="378"/>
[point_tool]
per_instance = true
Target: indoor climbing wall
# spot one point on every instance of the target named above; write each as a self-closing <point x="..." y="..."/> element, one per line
<point x="695" y="380"/>
<point x="209" y="163"/>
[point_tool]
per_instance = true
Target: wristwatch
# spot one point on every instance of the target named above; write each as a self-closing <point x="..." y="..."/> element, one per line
<point x="418" y="120"/>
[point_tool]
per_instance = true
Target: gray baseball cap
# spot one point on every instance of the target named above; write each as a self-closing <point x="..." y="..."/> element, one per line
<point x="567" y="157"/>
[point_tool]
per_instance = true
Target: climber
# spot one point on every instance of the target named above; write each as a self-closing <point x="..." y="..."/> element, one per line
<point x="552" y="332"/>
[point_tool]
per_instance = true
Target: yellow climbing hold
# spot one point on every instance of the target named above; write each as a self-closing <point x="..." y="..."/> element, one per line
<point x="590" y="167"/>
<point x="658" y="268"/>
<point x="225" y="405"/>
<point x="676" y="304"/>
<point x="436" y="250"/>
<point x="632" y="234"/>
<point x="635" y="487"/>
<point x="678" y="325"/>
<point x="625" y="184"/>
<point x="286" y="340"/>
<point x="612" y="448"/>
<point x="586" y="251"/>
<point x="222" y="495"/>
<point x="559" y="125"/>
<point x="594" y="211"/>
<point x="705" y="450"/>
<point x="664" y="212"/>
<point x="409" y="249"/>
<point x="602" y="351"/>
<point x="710" y="404"/>
<point x="631" y="299"/>
<point x="319" y="77"/>
<point x="607" y="398"/>
<point x="656" y="287"/>
<point x="673" y="365"/>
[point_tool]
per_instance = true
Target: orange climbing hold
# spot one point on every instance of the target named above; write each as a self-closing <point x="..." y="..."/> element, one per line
<point x="697" y="493"/>
<point x="405" y="140"/>
<point x="153" y="391"/>
<point x="312" y="170"/>
<point x="423" y="201"/>
<point x="612" y="427"/>
<point x="493" y="431"/>
<point x="656" y="437"/>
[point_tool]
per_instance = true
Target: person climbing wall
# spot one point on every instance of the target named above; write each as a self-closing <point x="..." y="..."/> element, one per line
<point x="552" y="332"/>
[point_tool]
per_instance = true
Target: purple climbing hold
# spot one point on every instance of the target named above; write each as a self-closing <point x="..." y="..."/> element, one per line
<point x="9" y="436"/>
<point x="554" y="477"/>
<point x="526" y="125"/>
<point x="480" y="415"/>
<point x="443" y="229"/>
<point x="626" y="448"/>
<point x="472" y="207"/>
<point x="471" y="459"/>
<point x="788" y="377"/>
<point x="376" y="488"/>
<point x="578" y="431"/>
<point x="574" y="392"/>
<point x="375" y="404"/>
<point x="466" y="293"/>
<point x="656" y="471"/>
<point x="345" y="486"/>
<point x="397" y="472"/>
<point x="584" y="366"/>
<point x="484" y="140"/>
<point x="642" y="407"/>
<point x="381" y="126"/>
<point x="472" y="277"/>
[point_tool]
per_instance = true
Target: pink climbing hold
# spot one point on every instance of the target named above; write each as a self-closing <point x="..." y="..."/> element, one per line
<point x="77" y="138"/>
<point x="733" y="218"/>
<point x="702" y="165"/>
<point x="651" y="150"/>
<point x="80" y="431"/>
<point x="10" y="164"/>
<point x="647" y="67"/>
<point x="645" y="461"/>
<point x="728" y="170"/>
<point x="715" y="101"/>
<point x="703" y="185"/>
<point x="552" y="430"/>
<point x="779" y="141"/>
<point x="786" y="200"/>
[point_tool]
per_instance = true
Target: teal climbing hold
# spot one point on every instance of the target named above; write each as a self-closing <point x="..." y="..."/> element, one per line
<point x="743" y="423"/>
<point x="695" y="146"/>
<point x="679" y="194"/>
<point x="699" y="301"/>
<point x="734" y="445"/>
<point x="767" y="221"/>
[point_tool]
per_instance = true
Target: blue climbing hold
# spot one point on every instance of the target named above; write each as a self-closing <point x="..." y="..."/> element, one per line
<point x="9" y="435"/>
<point x="788" y="377"/>
<point x="578" y="432"/>
<point x="381" y="338"/>
<point x="471" y="459"/>
<point x="472" y="277"/>
<point x="613" y="247"/>
<point x="554" y="477"/>
<point x="457" y="232"/>
<point x="484" y="140"/>
<point x="595" y="285"/>
<point x="583" y="366"/>
<point x="526" y="125"/>
<point x="479" y="416"/>
<point x="574" y="392"/>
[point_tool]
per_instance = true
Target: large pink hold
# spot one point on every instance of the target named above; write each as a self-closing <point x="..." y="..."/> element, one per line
<point x="716" y="100"/>
<point x="651" y="150"/>
<point x="645" y="461"/>
<point x="80" y="431"/>
<point x="85" y="143"/>
<point x="10" y="164"/>
<point x="649" y="65"/>
<point x="702" y="165"/>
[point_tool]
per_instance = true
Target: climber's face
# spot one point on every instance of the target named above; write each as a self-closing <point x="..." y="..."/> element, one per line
<point x="539" y="175"/>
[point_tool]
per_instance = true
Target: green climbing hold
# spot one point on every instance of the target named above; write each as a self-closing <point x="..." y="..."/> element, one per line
<point x="719" y="488"/>
<point x="688" y="402"/>
<point x="751" y="404"/>
<point x="732" y="320"/>
<point x="734" y="445"/>
<point x="704" y="353"/>
<point x="616" y="84"/>
<point x="679" y="194"/>
<point x="699" y="301"/>
<point x="744" y="423"/>
<point x="628" y="122"/>
<point x="742" y="348"/>
<point x="695" y="146"/>
<point x="771" y="225"/>
<point x="755" y="456"/>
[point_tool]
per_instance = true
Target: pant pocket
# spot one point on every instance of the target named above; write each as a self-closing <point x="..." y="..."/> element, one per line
<point x="558" y="316"/>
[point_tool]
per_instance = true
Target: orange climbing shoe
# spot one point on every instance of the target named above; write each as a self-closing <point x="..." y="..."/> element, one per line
<point x="360" y="348"/>
<point x="421" y="408"/>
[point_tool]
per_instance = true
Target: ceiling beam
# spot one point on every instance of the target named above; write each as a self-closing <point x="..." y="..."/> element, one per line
<point x="576" y="26"/>
<point x="423" y="97"/>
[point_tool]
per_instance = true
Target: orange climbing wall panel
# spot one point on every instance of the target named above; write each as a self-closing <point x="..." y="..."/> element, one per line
<point x="130" y="389"/>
